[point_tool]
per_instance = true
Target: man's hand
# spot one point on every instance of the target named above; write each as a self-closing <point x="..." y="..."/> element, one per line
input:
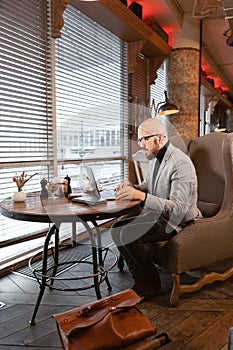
<point x="122" y="185"/>
<point x="129" y="192"/>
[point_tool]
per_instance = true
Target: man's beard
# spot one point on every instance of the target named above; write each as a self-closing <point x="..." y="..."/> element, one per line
<point x="149" y="155"/>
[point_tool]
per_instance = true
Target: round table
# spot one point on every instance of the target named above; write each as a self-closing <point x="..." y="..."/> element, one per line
<point x="56" y="212"/>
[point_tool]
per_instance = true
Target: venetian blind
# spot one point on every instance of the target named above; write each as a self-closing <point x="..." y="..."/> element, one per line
<point x="91" y="98"/>
<point x="26" y="100"/>
<point x="157" y="89"/>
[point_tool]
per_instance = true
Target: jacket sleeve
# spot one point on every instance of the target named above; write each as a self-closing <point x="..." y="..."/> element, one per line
<point x="143" y="187"/>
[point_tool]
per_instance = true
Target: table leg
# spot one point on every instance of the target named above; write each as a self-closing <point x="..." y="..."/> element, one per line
<point x="100" y="253"/>
<point x="44" y="271"/>
<point x="94" y="260"/>
<point x="95" y="273"/>
<point x="56" y="253"/>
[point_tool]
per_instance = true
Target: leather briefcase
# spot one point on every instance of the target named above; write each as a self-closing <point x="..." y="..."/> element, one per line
<point x="107" y="324"/>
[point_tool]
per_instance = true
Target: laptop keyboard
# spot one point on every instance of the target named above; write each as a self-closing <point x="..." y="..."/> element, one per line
<point x="107" y="194"/>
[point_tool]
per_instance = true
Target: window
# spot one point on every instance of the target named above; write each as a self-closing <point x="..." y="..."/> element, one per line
<point x="26" y="98"/>
<point x="91" y="99"/>
<point x="91" y="103"/>
<point x="157" y="89"/>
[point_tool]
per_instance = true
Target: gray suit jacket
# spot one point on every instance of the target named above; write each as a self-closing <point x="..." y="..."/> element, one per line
<point x="173" y="193"/>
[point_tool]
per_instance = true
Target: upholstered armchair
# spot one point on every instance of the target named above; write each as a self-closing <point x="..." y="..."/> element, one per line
<point x="209" y="239"/>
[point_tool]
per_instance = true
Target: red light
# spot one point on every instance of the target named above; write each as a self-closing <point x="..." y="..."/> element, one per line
<point x="218" y="83"/>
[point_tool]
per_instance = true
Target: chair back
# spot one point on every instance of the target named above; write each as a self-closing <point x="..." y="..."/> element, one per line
<point x="210" y="155"/>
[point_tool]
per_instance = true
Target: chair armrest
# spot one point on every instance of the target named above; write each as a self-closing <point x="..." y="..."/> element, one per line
<point x="201" y="243"/>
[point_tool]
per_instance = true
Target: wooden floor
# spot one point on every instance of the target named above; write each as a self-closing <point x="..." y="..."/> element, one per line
<point x="200" y="322"/>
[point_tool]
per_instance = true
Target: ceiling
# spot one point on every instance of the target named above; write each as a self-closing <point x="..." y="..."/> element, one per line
<point x="217" y="26"/>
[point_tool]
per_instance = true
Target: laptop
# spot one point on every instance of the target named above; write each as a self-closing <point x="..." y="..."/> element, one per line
<point x="95" y="196"/>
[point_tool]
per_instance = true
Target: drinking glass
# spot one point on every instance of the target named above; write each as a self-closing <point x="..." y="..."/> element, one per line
<point x="52" y="188"/>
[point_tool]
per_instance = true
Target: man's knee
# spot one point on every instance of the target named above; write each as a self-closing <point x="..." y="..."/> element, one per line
<point x="118" y="225"/>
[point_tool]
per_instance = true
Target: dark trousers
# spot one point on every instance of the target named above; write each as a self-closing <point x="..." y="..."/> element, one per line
<point x="134" y="237"/>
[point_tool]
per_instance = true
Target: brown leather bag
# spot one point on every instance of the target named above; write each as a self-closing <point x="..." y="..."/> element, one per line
<point x="107" y="324"/>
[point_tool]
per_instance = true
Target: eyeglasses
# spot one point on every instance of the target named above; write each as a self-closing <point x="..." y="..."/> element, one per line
<point x="145" y="138"/>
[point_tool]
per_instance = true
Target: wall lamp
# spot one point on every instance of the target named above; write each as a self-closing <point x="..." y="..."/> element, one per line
<point x="167" y="107"/>
<point x="218" y="129"/>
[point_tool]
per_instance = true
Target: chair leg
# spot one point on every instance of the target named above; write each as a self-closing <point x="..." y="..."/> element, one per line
<point x="205" y="279"/>
<point x="120" y="263"/>
<point x="174" y="297"/>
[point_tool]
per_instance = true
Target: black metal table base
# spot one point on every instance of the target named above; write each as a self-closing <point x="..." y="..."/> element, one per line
<point x="47" y="276"/>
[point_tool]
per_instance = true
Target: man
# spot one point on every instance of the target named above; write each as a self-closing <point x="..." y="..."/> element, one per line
<point x="169" y="200"/>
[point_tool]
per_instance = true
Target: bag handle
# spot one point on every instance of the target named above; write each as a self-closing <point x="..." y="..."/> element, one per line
<point x="126" y="298"/>
<point x="90" y="314"/>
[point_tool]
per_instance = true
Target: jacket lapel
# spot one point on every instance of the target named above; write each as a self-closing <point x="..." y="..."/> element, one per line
<point x="151" y="173"/>
<point x="162" y="165"/>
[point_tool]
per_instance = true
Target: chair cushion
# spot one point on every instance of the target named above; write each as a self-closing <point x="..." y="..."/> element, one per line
<point x="207" y="155"/>
<point x="208" y="209"/>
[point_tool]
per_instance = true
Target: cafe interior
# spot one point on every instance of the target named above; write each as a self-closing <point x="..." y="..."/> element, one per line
<point x="77" y="78"/>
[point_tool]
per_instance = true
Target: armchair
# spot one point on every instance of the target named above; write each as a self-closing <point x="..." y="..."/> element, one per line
<point x="209" y="239"/>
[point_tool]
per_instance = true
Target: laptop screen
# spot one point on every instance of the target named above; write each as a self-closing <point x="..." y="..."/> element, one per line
<point x="92" y="181"/>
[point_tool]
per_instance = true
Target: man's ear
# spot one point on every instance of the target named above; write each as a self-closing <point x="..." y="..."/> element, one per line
<point x="162" y="138"/>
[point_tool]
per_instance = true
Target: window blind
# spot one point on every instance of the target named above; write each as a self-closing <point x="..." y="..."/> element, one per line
<point x="157" y="89"/>
<point x="91" y="99"/>
<point x="26" y="142"/>
<point x="139" y="106"/>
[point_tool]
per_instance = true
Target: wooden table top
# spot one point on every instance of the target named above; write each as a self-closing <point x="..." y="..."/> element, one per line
<point x="63" y="210"/>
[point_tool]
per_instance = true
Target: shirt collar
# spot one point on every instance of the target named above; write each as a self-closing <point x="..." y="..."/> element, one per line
<point x="162" y="152"/>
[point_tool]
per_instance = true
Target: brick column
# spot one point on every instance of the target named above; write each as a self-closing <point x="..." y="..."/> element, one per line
<point x="182" y="70"/>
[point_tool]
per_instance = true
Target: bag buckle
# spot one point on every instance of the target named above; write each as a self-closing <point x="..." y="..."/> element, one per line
<point x="85" y="311"/>
<point x="112" y="308"/>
